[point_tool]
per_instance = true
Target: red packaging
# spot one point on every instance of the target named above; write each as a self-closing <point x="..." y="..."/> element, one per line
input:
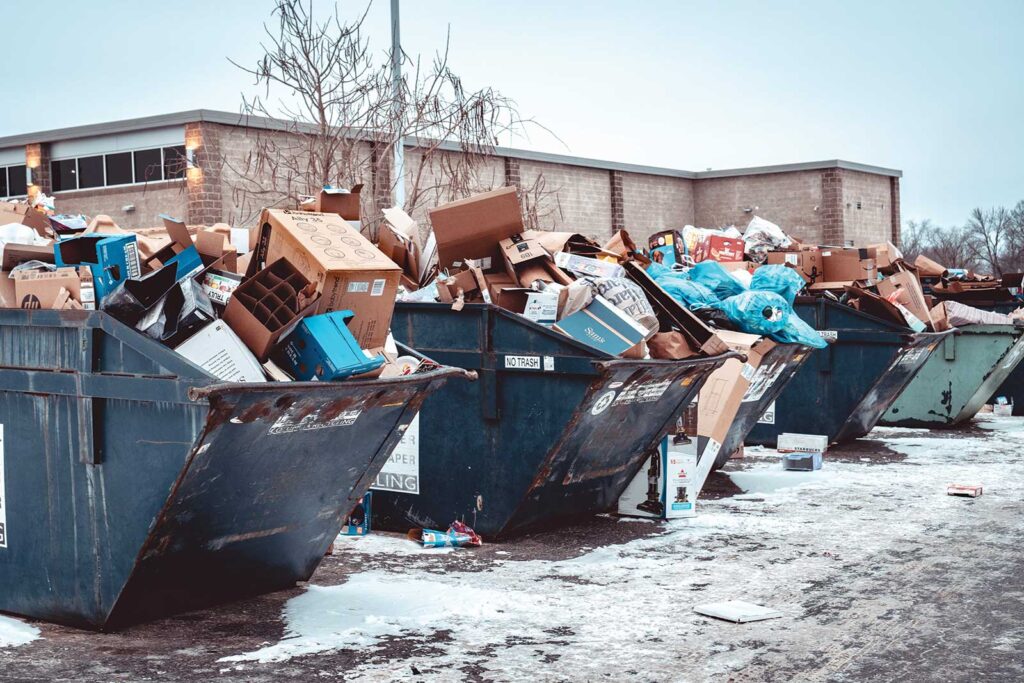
<point x="718" y="248"/>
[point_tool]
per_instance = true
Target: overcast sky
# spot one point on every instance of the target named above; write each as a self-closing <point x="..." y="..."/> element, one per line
<point x="932" y="88"/>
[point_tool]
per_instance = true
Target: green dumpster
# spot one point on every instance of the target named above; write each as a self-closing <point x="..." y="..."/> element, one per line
<point x="959" y="377"/>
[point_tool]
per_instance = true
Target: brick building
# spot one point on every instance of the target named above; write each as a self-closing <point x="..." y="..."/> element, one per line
<point x="182" y="164"/>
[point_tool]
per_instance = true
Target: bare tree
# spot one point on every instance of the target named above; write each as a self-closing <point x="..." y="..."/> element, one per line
<point x="339" y="118"/>
<point x="914" y="236"/>
<point x="950" y="247"/>
<point x="988" y="234"/>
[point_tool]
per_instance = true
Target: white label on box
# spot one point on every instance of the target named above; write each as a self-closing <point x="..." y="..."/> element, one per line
<point x="828" y="335"/>
<point x="549" y="363"/>
<point x="378" y="287"/>
<point x="768" y="416"/>
<point x="792" y="258"/>
<point x="826" y="253"/>
<point x="401" y="473"/>
<point x="680" y="490"/>
<point x="358" y="287"/>
<point x="763" y="380"/>
<point x="711" y="450"/>
<point x="3" y="494"/>
<point x="748" y="371"/>
<point x="522" y="362"/>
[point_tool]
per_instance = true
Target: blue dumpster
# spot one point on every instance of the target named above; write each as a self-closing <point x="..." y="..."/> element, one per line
<point x="552" y="430"/>
<point x="136" y="485"/>
<point x="844" y="389"/>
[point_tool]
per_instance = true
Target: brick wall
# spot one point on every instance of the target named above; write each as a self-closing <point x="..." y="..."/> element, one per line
<point x="831" y="210"/>
<point x="151" y="200"/>
<point x="867" y="207"/>
<point x="653" y="203"/>
<point x="571" y="198"/>
<point x="792" y="200"/>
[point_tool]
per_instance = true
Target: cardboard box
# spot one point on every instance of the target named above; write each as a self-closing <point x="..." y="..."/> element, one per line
<point x="40" y="289"/>
<point x="322" y="349"/>
<point x="885" y="255"/>
<point x="216" y="251"/>
<point x="789" y="442"/>
<point x="801" y="461"/>
<point x="112" y="259"/>
<point x="807" y="262"/>
<point x="219" y="285"/>
<point x="17" y="212"/>
<point x="665" y="488"/>
<point x="343" y="202"/>
<point x="16" y="254"/>
<point x="542" y="307"/>
<point x="471" y="228"/>
<point x="585" y="266"/>
<point x="399" y="241"/>
<point x="8" y="299"/>
<point x="667" y="247"/>
<point x="269" y="305"/>
<point x="602" y="326"/>
<point x="847" y="265"/>
<point x="526" y="261"/>
<point x="868" y="302"/>
<point x="965" y="490"/>
<point x="926" y="267"/>
<point x="718" y="248"/>
<point x="218" y="350"/>
<point x="348" y="271"/>
<point x="905" y="289"/>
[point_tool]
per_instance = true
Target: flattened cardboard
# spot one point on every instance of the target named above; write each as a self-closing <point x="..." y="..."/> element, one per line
<point x="471" y="228"/>
<point x="348" y="271"/>
<point x="722" y="394"/>
<point x="671" y="312"/>
<point x="807" y="262"/>
<point x="885" y="255"/>
<point x="872" y="304"/>
<point x="571" y="242"/>
<point x="928" y="268"/>
<point x="905" y="288"/>
<point x="719" y="248"/>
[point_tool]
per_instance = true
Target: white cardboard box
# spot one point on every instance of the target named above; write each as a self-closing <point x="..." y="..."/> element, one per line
<point x="802" y="443"/>
<point x="665" y="487"/>
<point x="219" y="351"/>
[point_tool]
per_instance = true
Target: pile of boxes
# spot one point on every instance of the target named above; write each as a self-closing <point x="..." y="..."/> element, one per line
<point x="303" y="296"/>
<point x="598" y="295"/>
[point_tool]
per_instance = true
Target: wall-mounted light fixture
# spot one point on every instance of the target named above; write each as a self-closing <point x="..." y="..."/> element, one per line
<point x="190" y="158"/>
<point x="32" y="175"/>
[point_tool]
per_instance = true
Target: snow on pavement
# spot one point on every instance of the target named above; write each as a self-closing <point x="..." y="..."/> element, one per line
<point x="627" y="609"/>
<point x="14" y="633"/>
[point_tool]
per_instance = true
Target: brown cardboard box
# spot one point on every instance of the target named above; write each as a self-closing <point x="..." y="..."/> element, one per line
<point x="927" y="267"/>
<point x="216" y="250"/>
<point x="940" y="318"/>
<point x="885" y="254"/>
<point x="180" y="241"/>
<point x="347" y="269"/>
<point x="345" y="204"/>
<point x="16" y="254"/>
<point x="398" y="240"/>
<point x="471" y="228"/>
<point x="526" y="261"/>
<point x="807" y="262"/>
<point x="16" y="212"/>
<point x="847" y="265"/>
<point x="8" y="299"/>
<point x="40" y="289"/>
<point x="906" y="288"/>
<point x="721" y="396"/>
<point x="671" y="346"/>
<point x="872" y="304"/>
<point x="269" y="305"/>
<point x="497" y="282"/>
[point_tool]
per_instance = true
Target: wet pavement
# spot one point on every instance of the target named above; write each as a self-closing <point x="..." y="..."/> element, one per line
<point x="879" y="576"/>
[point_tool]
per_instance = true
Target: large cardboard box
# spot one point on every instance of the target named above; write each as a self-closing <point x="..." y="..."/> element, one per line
<point x="111" y="258"/>
<point x="16" y="212"/>
<point x="719" y="248"/>
<point x="471" y="228"/>
<point x="847" y="265"/>
<point x="343" y="202"/>
<point x="603" y="326"/>
<point x="350" y="273"/>
<point x="666" y="487"/>
<point x="904" y="288"/>
<point x="807" y="262"/>
<point x="884" y="254"/>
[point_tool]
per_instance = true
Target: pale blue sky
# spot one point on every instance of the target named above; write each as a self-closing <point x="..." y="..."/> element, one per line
<point x="932" y="88"/>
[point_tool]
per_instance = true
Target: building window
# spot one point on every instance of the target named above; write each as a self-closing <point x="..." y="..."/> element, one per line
<point x="17" y="185"/>
<point x="148" y="165"/>
<point x="64" y="174"/>
<point x="119" y="168"/>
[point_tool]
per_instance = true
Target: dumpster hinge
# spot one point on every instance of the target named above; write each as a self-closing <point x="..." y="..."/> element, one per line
<point x="88" y="407"/>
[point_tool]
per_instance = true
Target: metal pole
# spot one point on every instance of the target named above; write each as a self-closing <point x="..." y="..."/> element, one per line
<point x="396" y="91"/>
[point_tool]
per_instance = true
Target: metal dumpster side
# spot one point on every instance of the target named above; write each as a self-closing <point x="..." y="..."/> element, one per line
<point x="958" y="378"/>
<point x="845" y="388"/>
<point x="137" y="487"/>
<point x="777" y="369"/>
<point x="553" y="429"/>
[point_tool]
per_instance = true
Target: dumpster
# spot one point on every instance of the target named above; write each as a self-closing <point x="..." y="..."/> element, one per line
<point x="959" y="377"/>
<point x="777" y="369"/>
<point x="843" y="390"/>
<point x="553" y="429"/>
<point x="134" y="485"/>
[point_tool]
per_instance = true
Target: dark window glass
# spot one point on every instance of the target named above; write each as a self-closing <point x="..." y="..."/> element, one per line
<point x="3" y="182"/>
<point x="148" y="165"/>
<point x="174" y="162"/>
<point x="90" y="172"/>
<point x="16" y="183"/>
<point x="119" y="168"/>
<point x="62" y="173"/>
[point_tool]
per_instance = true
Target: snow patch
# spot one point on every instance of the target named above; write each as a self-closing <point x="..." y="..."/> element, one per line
<point x="14" y="633"/>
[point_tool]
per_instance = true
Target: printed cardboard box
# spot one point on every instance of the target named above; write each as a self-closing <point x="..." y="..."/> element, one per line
<point x="41" y="289"/>
<point x="348" y="271"/>
<point x="471" y="228"/>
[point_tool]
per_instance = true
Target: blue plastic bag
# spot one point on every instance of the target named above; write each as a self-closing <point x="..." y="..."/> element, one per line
<point x="796" y="331"/>
<point x="691" y="294"/>
<point x="784" y="281"/>
<point x="757" y="312"/>
<point x="716" y="278"/>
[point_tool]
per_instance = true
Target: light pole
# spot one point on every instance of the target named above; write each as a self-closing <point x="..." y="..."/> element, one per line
<point x="396" y="87"/>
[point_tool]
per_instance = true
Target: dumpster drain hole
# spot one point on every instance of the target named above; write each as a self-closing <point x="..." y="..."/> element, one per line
<point x="480" y="503"/>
